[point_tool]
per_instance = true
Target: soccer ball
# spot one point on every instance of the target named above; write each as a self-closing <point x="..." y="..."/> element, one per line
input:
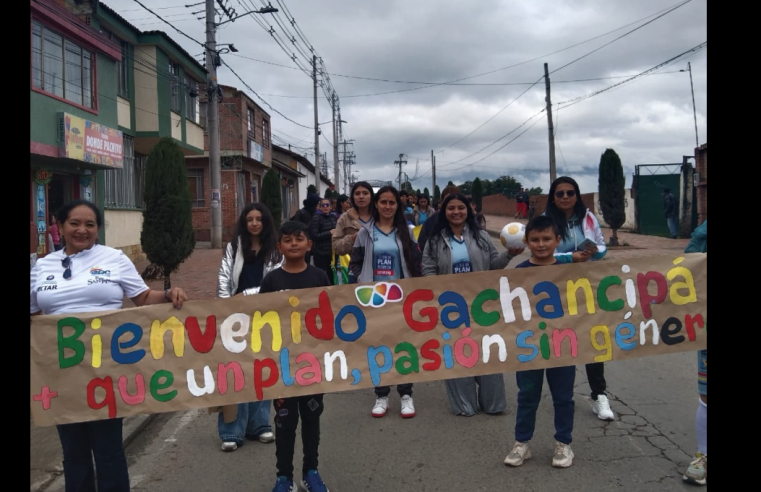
<point x="513" y="235"/>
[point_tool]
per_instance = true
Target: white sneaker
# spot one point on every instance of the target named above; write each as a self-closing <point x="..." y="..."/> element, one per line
<point x="380" y="408"/>
<point x="518" y="455"/>
<point x="601" y="408"/>
<point x="408" y="407"/>
<point x="229" y="446"/>
<point x="563" y="457"/>
<point x="267" y="437"/>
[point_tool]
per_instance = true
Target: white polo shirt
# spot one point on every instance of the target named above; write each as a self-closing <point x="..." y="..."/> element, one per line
<point x="100" y="278"/>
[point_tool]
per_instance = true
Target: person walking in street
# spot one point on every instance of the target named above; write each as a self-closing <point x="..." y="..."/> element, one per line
<point x="458" y="245"/>
<point x="321" y="233"/>
<point x="55" y="233"/>
<point x="293" y="243"/>
<point x="343" y="204"/>
<point x="90" y="277"/>
<point x="305" y="214"/>
<point x="358" y="216"/>
<point x="524" y="198"/>
<point x="387" y="252"/>
<point x="542" y="238"/>
<point x="519" y="204"/>
<point x="576" y="224"/>
<point x="670" y="210"/>
<point x="427" y="230"/>
<point x="423" y="209"/>
<point x="697" y="472"/>
<point x="249" y="258"/>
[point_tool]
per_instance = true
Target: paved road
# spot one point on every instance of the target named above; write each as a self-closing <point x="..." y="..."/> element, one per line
<point x="644" y="449"/>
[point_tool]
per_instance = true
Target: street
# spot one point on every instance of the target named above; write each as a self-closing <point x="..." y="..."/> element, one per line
<point x="646" y="448"/>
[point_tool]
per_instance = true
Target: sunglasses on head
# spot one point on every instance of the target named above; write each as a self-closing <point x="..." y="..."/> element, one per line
<point x="568" y="193"/>
<point x="66" y="263"/>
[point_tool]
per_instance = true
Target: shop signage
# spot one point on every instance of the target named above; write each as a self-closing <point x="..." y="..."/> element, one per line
<point x="43" y="176"/>
<point x="89" y="141"/>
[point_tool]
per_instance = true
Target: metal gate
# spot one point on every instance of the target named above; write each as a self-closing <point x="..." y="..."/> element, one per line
<point x="649" y="182"/>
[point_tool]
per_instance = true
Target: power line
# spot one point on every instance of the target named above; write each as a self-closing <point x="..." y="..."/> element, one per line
<point x="169" y="24"/>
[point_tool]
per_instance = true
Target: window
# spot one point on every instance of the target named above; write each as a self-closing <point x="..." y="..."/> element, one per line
<point x="61" y="68"/>
<point x="124" y="187"/>
<point x="195" y="184"/>
<point x="265" y="133"/>
<point x="123" y="82"/>
<point x="174" y="84"/>
<point x="250" y="121"/>
<point x="191" y="102"/>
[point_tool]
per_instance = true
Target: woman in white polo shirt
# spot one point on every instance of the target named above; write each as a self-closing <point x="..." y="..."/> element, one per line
<point x="88" y="277"/>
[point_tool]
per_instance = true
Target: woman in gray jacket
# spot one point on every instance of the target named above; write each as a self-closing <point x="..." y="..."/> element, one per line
<point x="457" y="245"/>
<point x="249" y="257"/>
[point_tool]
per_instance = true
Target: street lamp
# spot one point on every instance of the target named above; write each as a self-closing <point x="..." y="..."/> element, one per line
<point x="694" y="111"/>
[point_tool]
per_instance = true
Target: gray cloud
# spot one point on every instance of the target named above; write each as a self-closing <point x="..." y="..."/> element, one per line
<point x="646" y="121"/>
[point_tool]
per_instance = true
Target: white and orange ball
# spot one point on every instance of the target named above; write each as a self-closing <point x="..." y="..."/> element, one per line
<point x="513" y="235"/>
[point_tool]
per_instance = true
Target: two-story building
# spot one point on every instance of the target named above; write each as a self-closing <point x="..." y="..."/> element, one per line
<point x="102" y="94"/>
<point x="245" y="155"/>
<point x="288" y="160"/>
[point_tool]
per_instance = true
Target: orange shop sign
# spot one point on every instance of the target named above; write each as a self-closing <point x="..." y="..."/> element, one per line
<point x="89" y="141"/>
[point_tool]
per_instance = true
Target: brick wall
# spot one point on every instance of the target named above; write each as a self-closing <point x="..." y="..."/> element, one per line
<point x="501" y="205"/>
<point x="202" y="216"/>
<point x="701" y="166"/>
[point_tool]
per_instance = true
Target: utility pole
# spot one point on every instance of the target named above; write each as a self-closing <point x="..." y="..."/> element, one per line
<point x="433" y="173"/>
<point x="336" y="173"/>
<point x="694" y="111"/>
<point x="212" y="119"/>
<point x="401" y="161"/>
<point x="316" y="126"/>
<point x="550" y="128"/>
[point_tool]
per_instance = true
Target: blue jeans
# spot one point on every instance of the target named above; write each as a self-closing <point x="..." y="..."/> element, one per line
<point x="561" y="381"/>
<point x="252" y="421"/>
<point x="101" y="439"/>
<point x="672" y="225"/>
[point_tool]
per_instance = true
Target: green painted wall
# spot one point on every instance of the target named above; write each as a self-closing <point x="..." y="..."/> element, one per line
<point x="44" y="123"/>
<point x="164" y="96"/>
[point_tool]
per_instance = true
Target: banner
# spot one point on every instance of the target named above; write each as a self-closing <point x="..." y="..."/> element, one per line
<point x="321" y="340"/>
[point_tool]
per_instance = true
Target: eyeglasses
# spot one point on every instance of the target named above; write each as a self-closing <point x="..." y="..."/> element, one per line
<point x="66" y="263"/>
<point x="568" y="193"/>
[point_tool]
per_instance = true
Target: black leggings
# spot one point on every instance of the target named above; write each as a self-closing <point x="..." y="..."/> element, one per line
<point x="596" y="379"/>
<point x="323" y="263"/>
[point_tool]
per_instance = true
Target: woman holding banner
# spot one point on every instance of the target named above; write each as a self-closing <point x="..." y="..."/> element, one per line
<point x="386" y="251"/>
<point x="89" y="277"/>
<point x="249" y="257"/>
<point x="458" y="245"/>
<point x="576" y="225"/>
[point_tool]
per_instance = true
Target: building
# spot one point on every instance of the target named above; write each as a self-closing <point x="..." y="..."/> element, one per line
<point x="306" y="177"/>
<point x="245" y="155"/>
<point x="102" y="94"/>
<point x="701" y="171"/>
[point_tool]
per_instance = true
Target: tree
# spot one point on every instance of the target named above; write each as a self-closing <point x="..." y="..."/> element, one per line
<point x="426" y="192"/>
<point x="168" y="237"/>
<point x="466" y="188"/>
<point x="478" y="192"/>
<point x="611" y="185"/>
<point x="311" y="189"/>
<point x="271" y="196"/>
<point x="534" y="191"/>
<point x="436" y="193"/>
<point x="450" y="183"/>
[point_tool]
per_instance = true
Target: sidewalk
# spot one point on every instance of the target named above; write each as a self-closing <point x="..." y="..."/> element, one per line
<point x="633" y="245"/>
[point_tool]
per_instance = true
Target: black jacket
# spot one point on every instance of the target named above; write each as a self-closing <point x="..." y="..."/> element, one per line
<point x="428" y="226"/>
<point x="320" y="233"/>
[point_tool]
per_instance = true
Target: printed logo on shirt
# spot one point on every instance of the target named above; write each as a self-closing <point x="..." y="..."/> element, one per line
<point x="462" y="267"/>
<point x="384" y="265"/>
<point x="46" y="287"/>
<point x="50" y="277"/>
<point x="100" y="271"/>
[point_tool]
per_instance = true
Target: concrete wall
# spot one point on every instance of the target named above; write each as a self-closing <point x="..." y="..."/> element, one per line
<point x="506" y="207"/>
<point x="701" y="167"/>
<point x="146" y="90"/>
<point x="176" y="126"/>
<point x="123" y="113"/>
<point x="630" y="222"/>
<point x="123" y="228"/>
<point x="193" y="134"/>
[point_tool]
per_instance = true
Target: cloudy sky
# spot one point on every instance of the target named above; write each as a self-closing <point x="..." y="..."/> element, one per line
<point x="648" y="120"/>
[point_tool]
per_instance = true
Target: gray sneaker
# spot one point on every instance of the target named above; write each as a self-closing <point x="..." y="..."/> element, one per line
<point x="697" y="473"/>
<point x="563" y="457"/>
<point x="518" y="455"/>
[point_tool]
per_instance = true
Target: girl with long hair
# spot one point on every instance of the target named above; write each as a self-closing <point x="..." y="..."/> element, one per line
<point x="386" y="251"/>
<point x="358" y="216"/>
<point x="249" y="257"/>
<point x="457" y="245"/>
<point x="575" y="224"/>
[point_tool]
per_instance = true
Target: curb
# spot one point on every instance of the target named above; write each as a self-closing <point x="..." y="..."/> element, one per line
<point x="132" y="426"/>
